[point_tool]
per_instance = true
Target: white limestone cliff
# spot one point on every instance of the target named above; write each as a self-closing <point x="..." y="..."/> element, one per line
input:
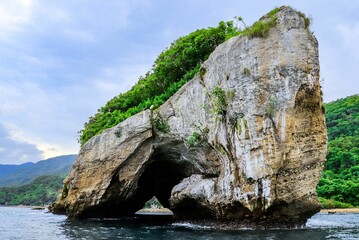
<point x="244" y="140"/>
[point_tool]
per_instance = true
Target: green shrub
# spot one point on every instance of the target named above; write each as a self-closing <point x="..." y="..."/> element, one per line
<point x="330" y="203"/>
<point x="219" y="101"/>
<point x="194" y="140"/>
<point x="161" y="125"/>
<point x="261" y="27"/>
<point x="246" y="71"/>
<point x="271" y="108"/>
<point x="153" y="202"/>
<point x="171" y="70"/>
<point x="307" y="20"/>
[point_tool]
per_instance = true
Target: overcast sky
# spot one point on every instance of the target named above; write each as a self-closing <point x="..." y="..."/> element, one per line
<point x="62" y="60"/>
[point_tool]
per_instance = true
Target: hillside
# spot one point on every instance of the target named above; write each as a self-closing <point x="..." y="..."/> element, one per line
<point x="11" y="175"/>
<point x="7" y="169"/>
<point x="42" y="190"/>
<point x="340" y="179"/>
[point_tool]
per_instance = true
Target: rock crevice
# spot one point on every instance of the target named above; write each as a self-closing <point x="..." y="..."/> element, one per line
<point x="244" y="140"/>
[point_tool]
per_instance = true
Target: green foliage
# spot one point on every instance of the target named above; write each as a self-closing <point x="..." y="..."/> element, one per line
<point x="43" y="190"/>
<point x="271" y="107"/>
<point x="219" y="101"/>
<point x="194" y="140"/>
<point x="261" y="27"/>
<point x="339" y="187"/>
<point x="307" y="20"/>
<point x="340" y="179"/>
<point x="329" y="203"/>
<point x="343" y="154"/>
<point x="246" y="71"/>
<point x="161" y="125"/>
<point x="202" y="72"/>
<point x="153" y="202"/>
<point x="172" y="69"/>
<point x="342" y="117"/>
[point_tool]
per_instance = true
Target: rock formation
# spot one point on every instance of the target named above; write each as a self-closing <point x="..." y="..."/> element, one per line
<point x="244" y="141"/>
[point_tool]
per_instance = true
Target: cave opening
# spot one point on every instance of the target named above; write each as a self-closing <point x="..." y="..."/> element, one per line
<point x="166" y="169"/>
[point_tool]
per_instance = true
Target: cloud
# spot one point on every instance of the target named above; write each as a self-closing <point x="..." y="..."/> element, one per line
<point x="62" y="60"/>
<point x="13" y="151"/>
<point x="44" y="118"/>
<point x="13" y="15"/>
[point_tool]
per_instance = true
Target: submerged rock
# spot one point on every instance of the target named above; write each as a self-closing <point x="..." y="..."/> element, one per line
<point x="244" y="141"/>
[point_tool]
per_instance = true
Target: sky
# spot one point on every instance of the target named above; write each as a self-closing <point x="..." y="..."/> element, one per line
<point x="60" y="61"/>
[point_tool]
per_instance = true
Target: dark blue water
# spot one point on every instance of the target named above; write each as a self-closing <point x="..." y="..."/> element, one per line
<point x="24" y="223"/>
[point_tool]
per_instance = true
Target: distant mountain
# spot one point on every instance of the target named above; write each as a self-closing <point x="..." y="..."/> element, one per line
<point x="11" y="175"/>
<point x="6" y="169"/>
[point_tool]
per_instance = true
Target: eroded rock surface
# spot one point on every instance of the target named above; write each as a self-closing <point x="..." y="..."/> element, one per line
<point x="245" y="140"/>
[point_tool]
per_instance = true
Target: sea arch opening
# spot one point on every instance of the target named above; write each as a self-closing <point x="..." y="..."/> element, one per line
<point x="167" y="166"/>
<point x="166" y="169"/>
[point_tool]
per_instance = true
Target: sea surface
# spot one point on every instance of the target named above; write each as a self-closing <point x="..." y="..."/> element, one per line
<point x="24" y="223"/>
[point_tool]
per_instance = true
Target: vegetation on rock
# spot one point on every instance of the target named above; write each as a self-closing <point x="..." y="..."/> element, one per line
<point x="338" y="187"/>
<point x="340" y="180"/>
<point x="171" y="70"/>
<point x="261" y="27"/>
<point x="161" y="125"/>
<point x="219" y="101"/>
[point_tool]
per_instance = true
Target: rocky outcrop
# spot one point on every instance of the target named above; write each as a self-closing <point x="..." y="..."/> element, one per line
<point x="244" y="141"/>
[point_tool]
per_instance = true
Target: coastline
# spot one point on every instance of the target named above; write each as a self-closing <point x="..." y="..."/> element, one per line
<point x="166" y="210"/>
<point x="340" y="210"/>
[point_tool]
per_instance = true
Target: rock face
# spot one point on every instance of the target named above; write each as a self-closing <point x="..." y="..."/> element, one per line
<point x="244" y="141"/>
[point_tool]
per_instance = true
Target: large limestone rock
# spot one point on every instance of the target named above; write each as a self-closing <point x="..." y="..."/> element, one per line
<point x="244" y="141"/>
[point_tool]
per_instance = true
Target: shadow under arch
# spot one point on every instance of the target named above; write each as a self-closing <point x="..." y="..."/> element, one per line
<point x="166" y="167"/>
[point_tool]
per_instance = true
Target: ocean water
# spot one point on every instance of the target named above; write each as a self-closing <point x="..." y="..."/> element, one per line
<point x="24" y="223"/>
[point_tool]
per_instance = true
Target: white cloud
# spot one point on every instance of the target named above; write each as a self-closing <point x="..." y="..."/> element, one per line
<point x="62" y="60"/>
<point x="13" y="151"/>
<point x="13" y="15"/>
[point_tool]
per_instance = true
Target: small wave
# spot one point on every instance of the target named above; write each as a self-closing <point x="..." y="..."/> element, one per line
<point x="190" y="226"/>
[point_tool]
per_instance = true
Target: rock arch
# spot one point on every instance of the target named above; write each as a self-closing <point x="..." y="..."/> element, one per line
<point x="259" y="159"/>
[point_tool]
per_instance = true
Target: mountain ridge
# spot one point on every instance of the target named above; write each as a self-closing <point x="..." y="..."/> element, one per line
<point x="12" y="175"/>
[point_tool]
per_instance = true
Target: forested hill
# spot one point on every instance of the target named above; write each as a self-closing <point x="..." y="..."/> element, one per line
<point x="340" y="179"/>
<point x="25" y="173"/>
<point x="41" y="191"/>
